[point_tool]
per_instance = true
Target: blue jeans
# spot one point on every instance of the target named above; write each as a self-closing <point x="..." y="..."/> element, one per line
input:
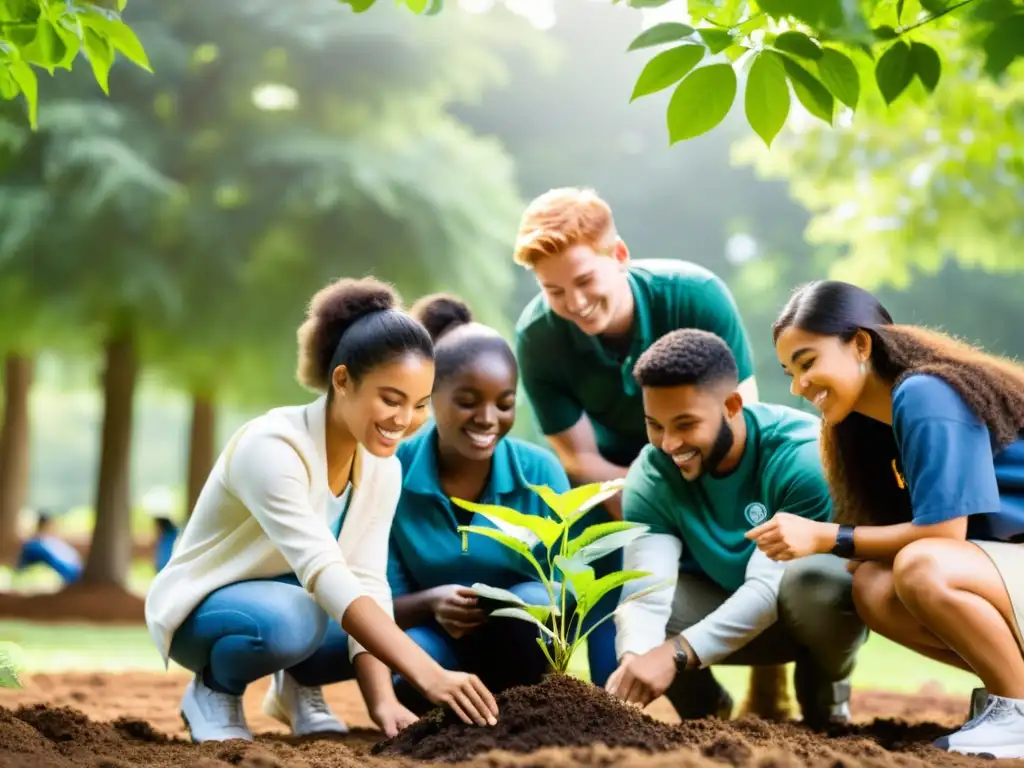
<point x="252" y="629"/>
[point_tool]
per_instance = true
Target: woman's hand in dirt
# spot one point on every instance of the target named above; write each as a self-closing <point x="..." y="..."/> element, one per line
<point x="465" y="694"/>
<point x="641" y="679"/>
<point x="391" y="717"/>
<point x="788" y="537"/>
<point x="455" y="610"/>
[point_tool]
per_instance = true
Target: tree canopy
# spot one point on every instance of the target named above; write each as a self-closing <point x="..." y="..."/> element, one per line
<point x="50" y="34"/>
<point x="826" y="53"/>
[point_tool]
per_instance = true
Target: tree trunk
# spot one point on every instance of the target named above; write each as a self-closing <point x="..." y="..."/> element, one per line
<point x="110" y="554"/>
<point x="14" y="451"/>
<point x="200" y="447"/>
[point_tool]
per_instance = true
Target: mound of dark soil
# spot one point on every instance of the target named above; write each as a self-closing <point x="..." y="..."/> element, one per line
<point x="559" y="712"/>
<point x="560" y="724"/>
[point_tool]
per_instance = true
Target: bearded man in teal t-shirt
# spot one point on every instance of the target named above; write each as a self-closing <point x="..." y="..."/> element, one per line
<point x="714" y="469"/>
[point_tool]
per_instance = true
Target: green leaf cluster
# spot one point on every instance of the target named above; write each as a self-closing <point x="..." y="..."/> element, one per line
<point x="566" y="569"/>
<point x="920" y="183"/>
<point x="823" y="52"/>
<point x="50" y="34"/>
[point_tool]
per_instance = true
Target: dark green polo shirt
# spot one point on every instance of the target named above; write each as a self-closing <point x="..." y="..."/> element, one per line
<point x="567" y="373"/>
<point x="780" y="472"/>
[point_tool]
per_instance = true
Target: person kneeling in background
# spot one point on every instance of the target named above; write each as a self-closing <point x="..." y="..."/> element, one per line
<point x="47" y="548"/>
<point x="715" y="469"/>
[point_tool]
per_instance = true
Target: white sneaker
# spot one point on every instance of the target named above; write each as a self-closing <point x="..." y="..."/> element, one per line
<point x="997" y="731"/>
<point x="301" y="707"/>
<point x="213" y="716"/>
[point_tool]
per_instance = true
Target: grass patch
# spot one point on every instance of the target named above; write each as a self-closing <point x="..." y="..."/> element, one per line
<point x="882" y="665"/>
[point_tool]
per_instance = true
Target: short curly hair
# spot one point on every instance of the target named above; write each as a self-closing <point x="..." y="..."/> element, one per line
<point x="368" y="314"/>
<point x="686" y="356"/>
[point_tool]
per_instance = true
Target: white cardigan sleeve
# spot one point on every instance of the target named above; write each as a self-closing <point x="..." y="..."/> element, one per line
<point x="640" y="624"/>
<point x="269" y="476"/>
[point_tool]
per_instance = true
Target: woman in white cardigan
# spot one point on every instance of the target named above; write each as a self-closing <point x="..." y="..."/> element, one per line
<point x="282" y="567"/>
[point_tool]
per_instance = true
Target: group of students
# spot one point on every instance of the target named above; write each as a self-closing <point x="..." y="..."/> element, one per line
<point x="325" y="546"/>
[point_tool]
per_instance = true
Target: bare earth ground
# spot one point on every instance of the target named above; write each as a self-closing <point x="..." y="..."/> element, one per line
<point x="130" y="719"/>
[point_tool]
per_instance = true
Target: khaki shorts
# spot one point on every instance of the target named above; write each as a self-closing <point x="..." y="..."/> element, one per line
<point x="1009" y="561"/>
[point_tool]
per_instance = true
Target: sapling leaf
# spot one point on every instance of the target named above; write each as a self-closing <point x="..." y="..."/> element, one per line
<point x="547" y="653"/>
<point x="595" y="532"/>
<point x="606" y="584"/>
<point x="544" y="529"/>
<point x="645" y="592"/>
<point x="505" y="596"/>
<point x="606" y="545"/>
<point x="496" y="593"/>
<point x="576" y="502"/>
<point x="519" y="613"/>
<point x="579" y="576"/>
<point x="635" y="596"/>
<point x="541" y="612"/>
<point x="509" y="541"/>
<point x="9" y="678"/>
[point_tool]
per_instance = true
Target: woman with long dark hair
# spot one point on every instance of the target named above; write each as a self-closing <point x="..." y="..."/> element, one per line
<point x="921" y="444"/>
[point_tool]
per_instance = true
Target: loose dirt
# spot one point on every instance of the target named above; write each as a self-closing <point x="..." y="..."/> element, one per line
<point x="130" y="720"/>
<point x="78" y="602"/>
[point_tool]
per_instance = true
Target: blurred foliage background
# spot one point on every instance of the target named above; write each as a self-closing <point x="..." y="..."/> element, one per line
<point x="159" y="242"/>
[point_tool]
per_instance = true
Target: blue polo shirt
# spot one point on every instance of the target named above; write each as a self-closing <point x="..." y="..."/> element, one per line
<point x="950" y="465"/>
<point x="426" y="547"/>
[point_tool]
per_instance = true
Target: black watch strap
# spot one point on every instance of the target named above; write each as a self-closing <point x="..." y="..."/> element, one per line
<point x="844" y="542"/>
<point x="682" y="658"/>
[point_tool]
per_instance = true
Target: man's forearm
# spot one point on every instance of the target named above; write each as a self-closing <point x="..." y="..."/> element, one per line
<point x="744" y="615"/>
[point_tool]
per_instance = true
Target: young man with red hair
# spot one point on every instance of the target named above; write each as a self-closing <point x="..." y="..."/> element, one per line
<point x="578" y="340"/>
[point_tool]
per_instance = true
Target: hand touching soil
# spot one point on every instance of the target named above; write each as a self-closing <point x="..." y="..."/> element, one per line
<point x="465" y="694"/>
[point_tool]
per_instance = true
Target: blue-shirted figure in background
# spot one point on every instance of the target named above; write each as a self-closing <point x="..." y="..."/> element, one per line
<point x="45" y="547"/>
<point x="466" y="453"/>
<point x="166" y="535"/>
<point x="923" y="449"/>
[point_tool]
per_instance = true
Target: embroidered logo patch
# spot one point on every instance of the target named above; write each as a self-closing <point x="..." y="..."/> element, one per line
<point x="756" y="513"/>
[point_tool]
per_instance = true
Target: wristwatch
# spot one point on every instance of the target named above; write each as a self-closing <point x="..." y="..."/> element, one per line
<point x="682" y="658"/>
<point x="844" y="546"/>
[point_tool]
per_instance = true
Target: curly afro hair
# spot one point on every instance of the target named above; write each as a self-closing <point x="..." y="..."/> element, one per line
<point x="686" y="356"/>
<point x="366" y="315"/>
